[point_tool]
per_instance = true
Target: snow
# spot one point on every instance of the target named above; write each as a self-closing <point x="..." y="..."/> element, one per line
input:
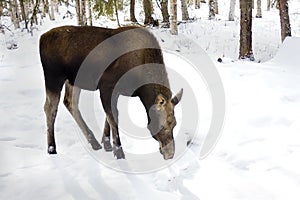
<point x="256" y="157"/>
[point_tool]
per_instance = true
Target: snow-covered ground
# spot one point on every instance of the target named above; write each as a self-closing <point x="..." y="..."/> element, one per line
<point x="257" y="156"/>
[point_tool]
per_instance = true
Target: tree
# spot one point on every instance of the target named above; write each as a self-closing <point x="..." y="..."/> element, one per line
<point x="45" y="7"/>
<point x="164" y="11"/>
<point x="83" y="13"/>
<point x="246" y="30"/>
<point x="231" y="10"/>
<point x="51" y="14"/>
<point x="211" y="9"/>
<point x="90" y="17"/>
<point x="184" y="11"/>
<point x="197" y="4"/>
<point x="132" y="10"/>
<point x="33" y="18"/>
<point x="216" y="7"/>
<point x="147" y="5"/>
<point x="14" y="13"/>
<point x="1" y="9"/>
<point x="173" y="18"/>
<point x="24" y="17"/>
<point x="258" y="13"/>
<point x="284" y="19"/>
<point x="268" y="5"/>
<point x="78" y="12"/>
<point x="116" y="12"/>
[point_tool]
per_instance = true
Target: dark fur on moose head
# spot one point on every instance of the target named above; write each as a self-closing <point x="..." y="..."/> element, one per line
<point x="94" y="58"/>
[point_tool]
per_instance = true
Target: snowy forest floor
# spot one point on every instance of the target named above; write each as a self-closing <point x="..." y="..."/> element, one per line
<point x="257" y="156"/>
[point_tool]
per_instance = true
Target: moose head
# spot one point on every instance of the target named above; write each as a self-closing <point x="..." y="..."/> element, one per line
<point x="162" y="122"/>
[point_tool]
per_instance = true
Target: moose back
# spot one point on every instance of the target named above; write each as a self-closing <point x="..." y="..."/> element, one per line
<point x="125" y="61"/>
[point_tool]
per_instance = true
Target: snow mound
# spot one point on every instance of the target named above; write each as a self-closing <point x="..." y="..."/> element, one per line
<point x="288" y="53"/>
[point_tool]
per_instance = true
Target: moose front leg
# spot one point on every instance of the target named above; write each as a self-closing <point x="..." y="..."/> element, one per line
<point x="110" y="107"/>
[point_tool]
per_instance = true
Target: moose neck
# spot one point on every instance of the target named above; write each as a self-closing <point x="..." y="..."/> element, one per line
<point x="149" y="93"/>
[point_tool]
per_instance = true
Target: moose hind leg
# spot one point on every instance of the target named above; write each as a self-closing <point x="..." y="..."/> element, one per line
<point x="71" y="101"/>
<point x="106" y="136"/>
<point x="50" y="108"/>
<point x="117" y="147"/>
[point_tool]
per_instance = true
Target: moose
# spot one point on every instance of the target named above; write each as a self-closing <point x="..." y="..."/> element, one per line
<point x="124" y="61"/>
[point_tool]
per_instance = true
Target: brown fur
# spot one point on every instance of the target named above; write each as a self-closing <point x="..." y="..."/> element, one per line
<point x="64" y="50"/>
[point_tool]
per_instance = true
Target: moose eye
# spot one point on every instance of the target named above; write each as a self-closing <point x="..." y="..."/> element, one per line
<point x="162" y="102"/>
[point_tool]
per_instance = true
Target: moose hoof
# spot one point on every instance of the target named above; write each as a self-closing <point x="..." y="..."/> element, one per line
<point x="52" y="150"/>
<point x="107" y="146"/>
<point x="118" y="152"/>
<point x="95" y="145"/>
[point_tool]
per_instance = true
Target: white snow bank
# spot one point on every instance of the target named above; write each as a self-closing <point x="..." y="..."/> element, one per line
<point x="288" y="53"/>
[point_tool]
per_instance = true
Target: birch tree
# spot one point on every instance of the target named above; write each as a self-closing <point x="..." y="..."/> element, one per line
<point x="90" y="16"/>
<point x="23" y="13"/>
<point x="173" y="18"/>
<point x="197" y="4"/>
<point x="184" y="11"/>
<point x="284" y="19"/>
<point x="14" y="13"/>
<point x="268" y="5"/>
<point x="231" y="10"/>
<point x="246" y="30"/>
<point x="78" y="12"/>
<point x="83" y="13"/>
<point x="216" y="7"/>
<point x="51" y="13"/>
<point x="45" y="5"/>
<point x="211" y="7"/>
<point x="258" y="12"/>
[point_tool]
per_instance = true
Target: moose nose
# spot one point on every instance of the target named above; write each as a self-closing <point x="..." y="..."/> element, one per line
<point x="168" y="151"/>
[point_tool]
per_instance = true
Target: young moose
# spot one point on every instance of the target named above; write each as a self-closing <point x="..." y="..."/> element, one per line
<point x="125" y="61"/>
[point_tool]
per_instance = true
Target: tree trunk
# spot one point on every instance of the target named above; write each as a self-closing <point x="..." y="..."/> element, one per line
<point x="147" y="4"/>
<point x="51" y="14"/>
<point x="164" y="11"/>
<point x="132" y="10"/>
<point x="116" y="12"/>
<point x="216" y="7"/>
<point x="184" y="11"/>
<point x="78" y="12"/>
<point x="284" y="19"/>
<point x="46" y="7"/>
<point x="90" y="12"/>
<point x="258" y="13"/>
<point x="197" y="4"/>
<point x="246" y="30"/>
<point x="24" y="17"/>
<point x="83" y="12"/>
<point x="231" y="10"/>
<point x="14" y="14"/>
<point x="173" y="17"/>
<point x="1" y="10"/>
<point x="56" y="4"/>
<point x="43" y="8"/>
<point x="268" y="5"/>
<point x="211" y="9"/>
<point x="252" y="4"/>
<point x="33" y="18"/>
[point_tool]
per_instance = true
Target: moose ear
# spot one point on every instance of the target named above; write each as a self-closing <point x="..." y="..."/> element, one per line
<point x="160" y="100"/>
<point x="175" y="100"/>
